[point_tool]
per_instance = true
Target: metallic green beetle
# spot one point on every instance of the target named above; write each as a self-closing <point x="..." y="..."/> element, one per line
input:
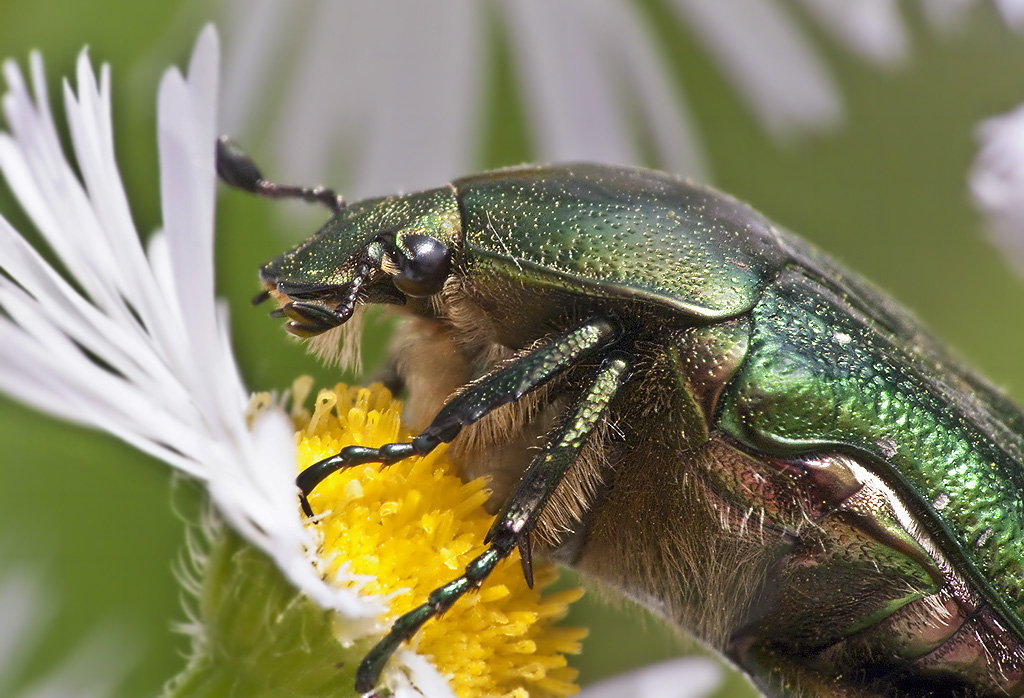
<point x="735" y="431"/>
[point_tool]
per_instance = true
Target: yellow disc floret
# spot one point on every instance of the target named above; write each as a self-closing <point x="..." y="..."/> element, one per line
<point x="413" y="526"/>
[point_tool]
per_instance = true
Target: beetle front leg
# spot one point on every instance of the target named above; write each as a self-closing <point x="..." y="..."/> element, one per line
<point x="499" y="387"/>
<point x="520" y="517"/>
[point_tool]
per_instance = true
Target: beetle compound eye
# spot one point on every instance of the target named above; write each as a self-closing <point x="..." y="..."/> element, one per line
<point x="423" y="264"/>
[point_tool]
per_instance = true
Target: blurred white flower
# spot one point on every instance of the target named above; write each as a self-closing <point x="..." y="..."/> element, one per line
<point x="93" y="669"/>
<point x="693" y="677"/>
<point x="1012" y="12"/>
<point x="997" y="181"/>
<point x="395" y="91"/>
<point x="408" y="118"/>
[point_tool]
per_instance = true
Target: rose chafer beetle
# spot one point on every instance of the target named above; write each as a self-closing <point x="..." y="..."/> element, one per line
<point x="676" y="397"/>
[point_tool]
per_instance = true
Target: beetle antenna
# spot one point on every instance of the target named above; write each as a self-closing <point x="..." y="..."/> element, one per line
<point x="239" y="170"/>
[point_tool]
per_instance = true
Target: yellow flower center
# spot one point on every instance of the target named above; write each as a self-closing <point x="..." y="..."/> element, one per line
<point x="414" y="526"/>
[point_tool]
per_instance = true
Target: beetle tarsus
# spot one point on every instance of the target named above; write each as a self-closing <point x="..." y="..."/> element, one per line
<point x="439" y="601"/>
<point x="349" y="457"/>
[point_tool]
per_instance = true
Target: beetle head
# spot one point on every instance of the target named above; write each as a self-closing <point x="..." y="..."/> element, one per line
<point x="373" y="251"/>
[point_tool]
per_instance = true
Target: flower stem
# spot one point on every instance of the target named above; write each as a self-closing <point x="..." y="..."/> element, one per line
<point x="257" y="636"/>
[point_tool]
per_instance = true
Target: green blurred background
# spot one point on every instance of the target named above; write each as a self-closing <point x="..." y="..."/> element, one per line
<point x="885" y="193"/>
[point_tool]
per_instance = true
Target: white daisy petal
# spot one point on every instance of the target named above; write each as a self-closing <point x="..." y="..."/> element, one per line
<point x="412" y="676"/>
<point x="647" y="76"/>
<point x="135" y="343"/>
<point x="997" y="180"/>
<point x="872" y="28"/>
<point x="187" y="173"/>
<point x="1012" y="12"/>
<point x="570" y="99"/>
<point x="769" y="61"/>
<point x="418" y="111"/>
<point x="144" y="352"/>
<point x="94" y="668"/>
<point x="308" y="138"/>
<point x="438" y="81"/>
<point x="257" y="32"/>
<point x="414" y="115"/>
<point x="25" y="608"/>
<point x="945" y="15"/>
<point x="576" y="59"/>
<point x="692" y="677"/>
<point x="587" y="68"/>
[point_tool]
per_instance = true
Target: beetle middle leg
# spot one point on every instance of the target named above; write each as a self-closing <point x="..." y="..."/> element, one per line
<point x="499" y="387"/>
<point x="519" y="518"/>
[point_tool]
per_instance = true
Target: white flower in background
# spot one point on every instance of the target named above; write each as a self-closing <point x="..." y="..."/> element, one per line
<point x="92" y="670"/>
<point x="1012" y="12"/>
<point x="401" y="103"/>
<point x="677" y="678"/>
<point x="997" y="181"/>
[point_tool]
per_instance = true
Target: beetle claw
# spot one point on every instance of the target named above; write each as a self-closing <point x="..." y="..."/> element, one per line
<point x="525" y="557"/>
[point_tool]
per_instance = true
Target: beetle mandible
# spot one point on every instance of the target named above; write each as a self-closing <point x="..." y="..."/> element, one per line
<point x="734" y="430"/>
